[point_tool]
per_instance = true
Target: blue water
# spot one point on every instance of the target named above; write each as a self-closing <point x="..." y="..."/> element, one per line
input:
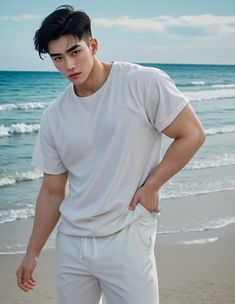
<point x="24" y="95"/>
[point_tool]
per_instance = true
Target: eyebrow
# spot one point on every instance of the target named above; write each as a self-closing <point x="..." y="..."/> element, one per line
<point x="72" y="48"/>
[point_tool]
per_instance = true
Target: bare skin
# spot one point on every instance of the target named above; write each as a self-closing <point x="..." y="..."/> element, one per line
<point x="188" y="135"/>
<point x="47" y="215"/>
<point x="76" y="60"/>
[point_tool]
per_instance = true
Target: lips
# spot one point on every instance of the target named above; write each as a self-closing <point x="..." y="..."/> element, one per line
<point x="74" y="75"/>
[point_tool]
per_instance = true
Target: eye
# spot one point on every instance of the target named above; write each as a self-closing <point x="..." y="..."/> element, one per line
<point x="75" y="52"/>
<point x="57" y="59"/>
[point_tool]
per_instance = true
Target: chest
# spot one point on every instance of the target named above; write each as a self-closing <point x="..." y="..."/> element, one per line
<point x="86" y="133"/>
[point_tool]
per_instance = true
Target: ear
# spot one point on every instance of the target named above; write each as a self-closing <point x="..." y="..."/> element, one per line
<point x="94" y="46"/>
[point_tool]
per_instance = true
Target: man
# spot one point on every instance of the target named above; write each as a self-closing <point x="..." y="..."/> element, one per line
<point x="103" y="134"/>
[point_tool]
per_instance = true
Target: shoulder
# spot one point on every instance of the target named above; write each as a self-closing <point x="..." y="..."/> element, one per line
<point x="141" y="80"/>
<point x="52" y="110"/>
<point x="141" y="73"/>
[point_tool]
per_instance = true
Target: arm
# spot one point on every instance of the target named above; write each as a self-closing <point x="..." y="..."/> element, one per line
<point x="47" y="214"/>
<point x="188" y="137"/>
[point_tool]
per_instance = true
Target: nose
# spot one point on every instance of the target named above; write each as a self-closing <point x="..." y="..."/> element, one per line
<point x="69" y="64"/>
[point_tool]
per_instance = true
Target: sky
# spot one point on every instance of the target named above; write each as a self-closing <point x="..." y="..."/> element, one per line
<point x="154" y="31"/>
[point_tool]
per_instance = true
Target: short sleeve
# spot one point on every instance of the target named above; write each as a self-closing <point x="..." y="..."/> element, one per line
<point x="164" y="101"/>
<point x="45" y="155"/>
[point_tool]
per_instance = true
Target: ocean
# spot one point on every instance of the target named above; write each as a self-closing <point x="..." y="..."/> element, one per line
<point x="24" y="95"/>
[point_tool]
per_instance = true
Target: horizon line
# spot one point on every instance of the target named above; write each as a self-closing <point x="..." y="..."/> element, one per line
<point x="160" y="63"/>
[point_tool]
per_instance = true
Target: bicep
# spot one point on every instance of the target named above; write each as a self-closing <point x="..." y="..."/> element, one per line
<point x="55" y="183"/>
<point x="186" y="123"/>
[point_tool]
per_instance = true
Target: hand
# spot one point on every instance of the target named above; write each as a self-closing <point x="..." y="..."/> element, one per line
<point x="148" y="197"/>
<point x="25" y="280"/>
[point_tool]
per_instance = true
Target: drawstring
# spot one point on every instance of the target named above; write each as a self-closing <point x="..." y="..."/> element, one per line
<point x="93" y="246"/>
<point x="81" y="246"/>
<point x="85" y="240"/>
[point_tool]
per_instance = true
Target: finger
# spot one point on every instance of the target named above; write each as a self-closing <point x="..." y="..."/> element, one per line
<point x="157" y="210"/>
<point x="32" y="279"/>
<point x="23" y="286"/>
<point x="23" y="282"/>
<point x="30" y="283"/>
<point x="133" y="203"/>
<point x="28" y="286"/>
<point x="20" y="278"/>
<point x="27" y="277"/>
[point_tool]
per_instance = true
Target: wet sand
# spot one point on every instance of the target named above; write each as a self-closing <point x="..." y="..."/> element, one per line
<point x="195" y="273"/>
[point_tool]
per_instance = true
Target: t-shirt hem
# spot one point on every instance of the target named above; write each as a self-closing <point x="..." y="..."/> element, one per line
<point x="172" y="116"/>
<point x="47" y="170"/>
<point x="71" y="229"/>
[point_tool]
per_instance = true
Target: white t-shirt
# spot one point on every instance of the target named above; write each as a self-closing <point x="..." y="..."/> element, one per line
<point x="108" y="142"/>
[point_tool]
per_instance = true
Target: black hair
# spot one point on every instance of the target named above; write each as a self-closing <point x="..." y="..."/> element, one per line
<point x="63" y="21"/>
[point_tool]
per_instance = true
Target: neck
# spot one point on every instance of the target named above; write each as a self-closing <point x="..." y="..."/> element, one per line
<point x="98" y="76"/>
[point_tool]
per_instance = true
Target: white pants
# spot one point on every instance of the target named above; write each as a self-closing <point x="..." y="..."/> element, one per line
<point x="121" y="267"/>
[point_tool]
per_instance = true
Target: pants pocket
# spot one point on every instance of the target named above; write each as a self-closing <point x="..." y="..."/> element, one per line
<point x="146" y="226"/>
<point x="144" y="211"/>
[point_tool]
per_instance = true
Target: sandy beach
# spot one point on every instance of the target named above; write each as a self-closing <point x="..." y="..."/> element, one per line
<point x="195" y="244"/>
<point x="200" y="272"/>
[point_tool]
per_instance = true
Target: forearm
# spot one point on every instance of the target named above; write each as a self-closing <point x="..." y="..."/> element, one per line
<point x="176" y="157"/>
<point x="46" y="217"/>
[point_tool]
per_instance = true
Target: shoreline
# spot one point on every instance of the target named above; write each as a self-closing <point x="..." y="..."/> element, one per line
<point x="187" y="274"/>
<point x="194" y="273"/>
<point x="199" y="273"/>
<point x="182" y="220"/>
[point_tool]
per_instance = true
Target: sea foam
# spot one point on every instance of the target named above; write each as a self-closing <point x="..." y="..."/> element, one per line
<point x="19" y="128"/>
<point x="198" y="83"/>
<point x="200" y="241"/>
<point x="174" y="189"/>
<point x="11" y="215"/>
<point x="212" y="161"/>
<point x="202" y="225"/>
<point x="211" y="224"/>
<point x="223" y="86"/>
<point x="220" y="130"/>
<point x="23" y="106"/>
<point x="210" y="94"/>
<point x="20" y="177"/>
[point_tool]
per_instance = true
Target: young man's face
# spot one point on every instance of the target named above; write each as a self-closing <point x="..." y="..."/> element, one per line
<point x="73" y="57"/>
